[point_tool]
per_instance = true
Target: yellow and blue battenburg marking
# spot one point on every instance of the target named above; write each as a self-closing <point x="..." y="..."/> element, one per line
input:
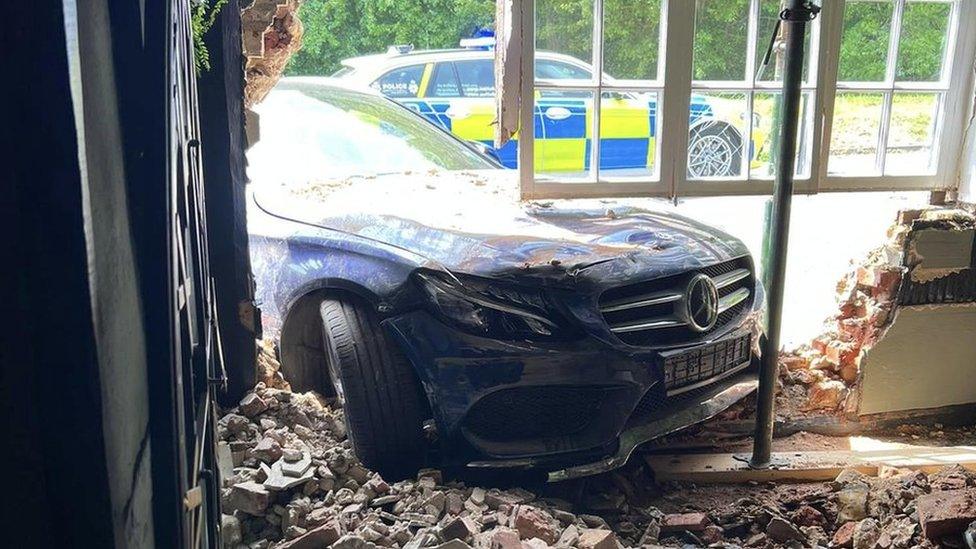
<point x="563" y="126"/>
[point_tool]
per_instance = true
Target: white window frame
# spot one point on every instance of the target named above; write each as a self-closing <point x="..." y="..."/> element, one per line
<point x="674" y="95"/>
<point x="956" y="85"/>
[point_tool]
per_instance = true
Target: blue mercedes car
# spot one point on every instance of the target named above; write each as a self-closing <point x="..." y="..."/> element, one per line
<point x="397" y="269"/>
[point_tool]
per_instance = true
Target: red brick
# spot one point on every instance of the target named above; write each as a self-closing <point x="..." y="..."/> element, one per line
<point x="844" y="536"/>
<point x="879" y="278"/>
<point x="945" y="513"/>
<point x="794" y="362"/>
<point x="808" y="516"/>
<point x="597" y="539"/>
<point x="692" y="522"/>
<point x="535" y="523"/>
<point x="323" y="536"/>
<point x="820" y="344"/>
<point x="841" y="353"/>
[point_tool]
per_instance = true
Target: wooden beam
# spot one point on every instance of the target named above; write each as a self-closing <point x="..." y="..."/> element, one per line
<point x="866" y="455"/>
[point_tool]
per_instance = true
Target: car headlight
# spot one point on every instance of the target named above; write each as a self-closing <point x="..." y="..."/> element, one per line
<point x="493" y="309"/>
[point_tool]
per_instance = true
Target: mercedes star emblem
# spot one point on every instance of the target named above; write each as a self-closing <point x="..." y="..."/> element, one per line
<point x="701" y="303"/>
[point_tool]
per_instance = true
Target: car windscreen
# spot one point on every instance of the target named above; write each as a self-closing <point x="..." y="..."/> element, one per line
<point x="315" y="132"/>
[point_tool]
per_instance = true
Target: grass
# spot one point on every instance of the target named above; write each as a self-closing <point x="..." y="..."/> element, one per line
<point x="857" y="119"/>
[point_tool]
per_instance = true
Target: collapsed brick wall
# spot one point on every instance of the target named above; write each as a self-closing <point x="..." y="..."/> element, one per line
<point x="272" y="33"/>
<point x="825" y="373"/>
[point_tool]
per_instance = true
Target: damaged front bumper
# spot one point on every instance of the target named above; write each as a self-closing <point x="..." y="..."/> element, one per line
<point x="693" y="410"/>
<point x="554" y="406"/>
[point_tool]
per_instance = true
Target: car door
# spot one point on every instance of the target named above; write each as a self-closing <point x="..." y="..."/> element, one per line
<point x="565" y="119"/>
<point x="627" y="124"/>
<point x="442" y="94"/>
<point x="474" y="111"/>
<point x="461" y="95"/>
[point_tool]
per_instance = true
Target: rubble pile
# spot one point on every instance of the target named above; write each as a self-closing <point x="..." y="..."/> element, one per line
<point x="297" y="484"/>
<point x="899" y="508"/>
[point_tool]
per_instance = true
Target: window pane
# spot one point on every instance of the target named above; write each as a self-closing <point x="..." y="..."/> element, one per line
<point x="773" y="72"/>
<point x="565" y="26"/>
<point x="628" y="131"/>
<point x="477" y="77"/>
<point x="402" y="82"/>
<point x="631" y="34"/>
<point x="563" y="132"/>
<point x="721" y="32"/>
<point x="921" y="50"/>
<point x="854" y="137"/>
<point x="443" y="83"/>
<point x="864" y="43"/>
<point x="911" y="135"/>
<point x="765" y="134"/>
<point x="559" y="70"/>
<point x="715" y="144"/>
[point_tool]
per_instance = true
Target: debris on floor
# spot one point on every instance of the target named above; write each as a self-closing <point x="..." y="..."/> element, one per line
<point x="297" y="484"/>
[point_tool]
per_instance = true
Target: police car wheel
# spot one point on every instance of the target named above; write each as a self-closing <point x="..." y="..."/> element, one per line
<point x="382" y="400"/>
<point x="714" y="150"/>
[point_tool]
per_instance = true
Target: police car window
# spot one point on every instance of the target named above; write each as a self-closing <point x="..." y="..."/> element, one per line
<point x="557" y="70"/>
<point x="477" y="77"/>
<point x="443" y="83"/>
<point x="401" y="82"/>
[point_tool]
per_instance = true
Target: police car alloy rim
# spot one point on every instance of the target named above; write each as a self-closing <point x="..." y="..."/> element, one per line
<point x="711" y="156"/>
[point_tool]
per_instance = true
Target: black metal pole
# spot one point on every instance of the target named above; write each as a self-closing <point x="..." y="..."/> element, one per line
<point x="795" y="17"/>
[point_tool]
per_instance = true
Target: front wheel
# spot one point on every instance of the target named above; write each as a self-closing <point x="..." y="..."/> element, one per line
<point x="381" y="396"/>
<point x="714" y="150"/>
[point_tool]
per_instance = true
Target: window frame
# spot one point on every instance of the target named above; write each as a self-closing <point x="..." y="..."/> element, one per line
<point x="675" y="86"/>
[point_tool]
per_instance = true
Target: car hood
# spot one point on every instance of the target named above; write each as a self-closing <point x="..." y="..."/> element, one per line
<point x="473" y="222"/>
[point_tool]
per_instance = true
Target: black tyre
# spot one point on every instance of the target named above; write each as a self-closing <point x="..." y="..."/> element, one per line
<point x="382" y="399"/>
<point x="714" y="150"/>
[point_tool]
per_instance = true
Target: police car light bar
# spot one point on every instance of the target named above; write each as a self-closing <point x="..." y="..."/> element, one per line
<point x="399" y="49"/>
<point x="479" y="43"/>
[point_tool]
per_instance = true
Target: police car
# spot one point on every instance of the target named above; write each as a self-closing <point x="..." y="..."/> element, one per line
<point x="456" y="88"/>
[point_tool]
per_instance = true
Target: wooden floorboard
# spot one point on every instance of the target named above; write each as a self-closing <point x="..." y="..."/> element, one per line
<point x="866" y="455"/>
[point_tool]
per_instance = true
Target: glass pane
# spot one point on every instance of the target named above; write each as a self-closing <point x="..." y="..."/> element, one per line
<point x="565" y="26"/>
<point x="477" y="77"/>
<point x="401" y="82"/>
<point x="768" y="16"/>
<point x="854" y="137"/>
<point x="715" y="144"/>
<point x="564" y="128"/>
<point x="631" y="34"/>
<point x="864" y="43"/>
<point x="765" y="134"/>
<point x="911" y="135"/>
<point x="628" y="132"/>
<point x="443" y="82"/>
<point x="924" y="32"/>
<point x="721" y="32"/>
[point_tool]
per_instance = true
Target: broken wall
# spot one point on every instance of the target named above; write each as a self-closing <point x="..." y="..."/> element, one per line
<point x="271" y="34"/>
<point x="926" y="357"/>
<point x="902" y="337"/>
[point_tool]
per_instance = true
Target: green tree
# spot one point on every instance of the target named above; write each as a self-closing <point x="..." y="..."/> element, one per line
<point x="337" y="29"/>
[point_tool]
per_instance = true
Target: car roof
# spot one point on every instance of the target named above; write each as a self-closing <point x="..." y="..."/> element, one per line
<point x="335" y="84"/>
<point x="368" y="67"/>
